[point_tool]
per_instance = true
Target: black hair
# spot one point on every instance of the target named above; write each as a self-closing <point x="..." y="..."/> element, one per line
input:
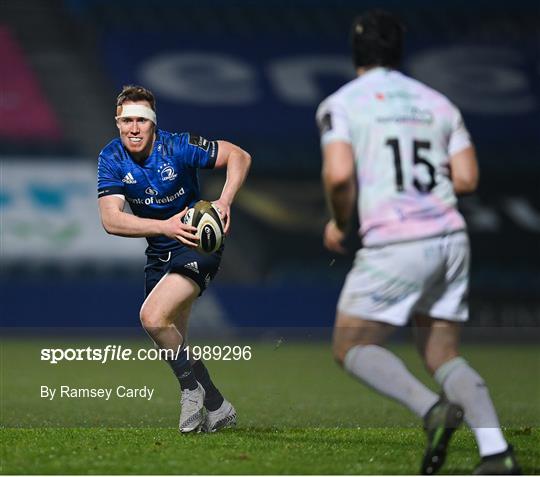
<point x="377" y="39"/>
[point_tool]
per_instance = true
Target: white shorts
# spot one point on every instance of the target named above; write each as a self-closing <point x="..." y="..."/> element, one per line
<point x="391" y="282"/>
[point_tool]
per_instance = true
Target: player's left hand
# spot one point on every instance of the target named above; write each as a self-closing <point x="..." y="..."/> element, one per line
<point x="224" y="211"/>
<point x="333" y="238"/>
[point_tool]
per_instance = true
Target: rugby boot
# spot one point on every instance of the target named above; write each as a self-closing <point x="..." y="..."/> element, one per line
<point x="440" y="423"/>
<point x="192" y="409"/>
<point x="221" y="418"/>
<point x="503" y="463"/>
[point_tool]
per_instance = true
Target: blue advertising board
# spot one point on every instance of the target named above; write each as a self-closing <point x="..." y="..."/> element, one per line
<point x="268" y="89"/>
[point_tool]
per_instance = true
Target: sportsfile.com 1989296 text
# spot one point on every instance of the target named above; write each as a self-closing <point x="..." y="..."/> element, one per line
<point x="110" y="352"/>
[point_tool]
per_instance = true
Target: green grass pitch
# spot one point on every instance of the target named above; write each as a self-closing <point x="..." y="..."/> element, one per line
<point x="298" y="414"/>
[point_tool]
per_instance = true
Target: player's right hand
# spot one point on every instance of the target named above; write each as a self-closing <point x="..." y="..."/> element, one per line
<point x="175" y="229"/>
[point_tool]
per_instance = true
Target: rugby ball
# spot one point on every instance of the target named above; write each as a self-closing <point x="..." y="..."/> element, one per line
<point x="205" y="217"/>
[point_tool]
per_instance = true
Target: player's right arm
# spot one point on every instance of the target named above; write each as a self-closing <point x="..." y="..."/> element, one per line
<point x="463" y="164"/>
<point x="117" y="222"/>
<point x="464" y="171"/>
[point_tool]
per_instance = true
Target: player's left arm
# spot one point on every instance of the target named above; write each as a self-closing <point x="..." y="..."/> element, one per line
<point x="237" y="161"/>
<point x="338" y="175"/>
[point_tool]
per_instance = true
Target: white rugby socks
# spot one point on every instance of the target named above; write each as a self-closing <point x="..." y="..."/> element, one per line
<point x="464" y="386"/>
<point x="386" y="373"/>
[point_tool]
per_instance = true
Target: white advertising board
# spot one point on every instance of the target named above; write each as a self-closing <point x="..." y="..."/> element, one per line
<point x="49" y="213"/>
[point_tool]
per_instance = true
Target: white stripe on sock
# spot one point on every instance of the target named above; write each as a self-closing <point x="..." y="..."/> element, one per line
<point x="464" y="386"/>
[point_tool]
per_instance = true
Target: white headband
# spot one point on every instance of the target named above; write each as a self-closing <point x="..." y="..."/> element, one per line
<point x="137" y="111"/>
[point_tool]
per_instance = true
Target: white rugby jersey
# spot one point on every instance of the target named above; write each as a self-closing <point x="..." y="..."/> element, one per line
<point x="402" y="133"/>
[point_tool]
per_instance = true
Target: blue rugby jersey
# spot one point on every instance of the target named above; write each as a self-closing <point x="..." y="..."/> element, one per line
<point x="165" y="183"/>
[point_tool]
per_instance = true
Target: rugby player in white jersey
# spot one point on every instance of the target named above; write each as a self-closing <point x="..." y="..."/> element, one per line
<point x="402" y="148"/>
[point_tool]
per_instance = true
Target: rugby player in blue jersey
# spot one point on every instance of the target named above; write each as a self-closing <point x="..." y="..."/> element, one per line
<point x="156" y="172"/>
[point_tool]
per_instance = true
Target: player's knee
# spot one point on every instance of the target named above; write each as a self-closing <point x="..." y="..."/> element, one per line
<point x="430" y="365"/>
<point x="433" y="360"/>
<point x="339" y="351"/>
<point x="150" y="319"/>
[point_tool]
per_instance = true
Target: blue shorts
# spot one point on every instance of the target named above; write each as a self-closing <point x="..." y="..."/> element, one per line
<point x="201" y="268"/>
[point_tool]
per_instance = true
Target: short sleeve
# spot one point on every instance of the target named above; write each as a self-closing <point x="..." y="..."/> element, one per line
<point x="109" y="180"/>
<point x="460" y="138"/>
<point x="332" y="122"/>
<point x="199" y="152"/>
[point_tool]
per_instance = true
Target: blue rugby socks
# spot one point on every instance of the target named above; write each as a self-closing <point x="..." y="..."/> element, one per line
<point x="183" y="371"/>
<point x="213" y="398"/>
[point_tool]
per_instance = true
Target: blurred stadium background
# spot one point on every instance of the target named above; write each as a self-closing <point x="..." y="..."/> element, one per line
<point x="252" y="73"/>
